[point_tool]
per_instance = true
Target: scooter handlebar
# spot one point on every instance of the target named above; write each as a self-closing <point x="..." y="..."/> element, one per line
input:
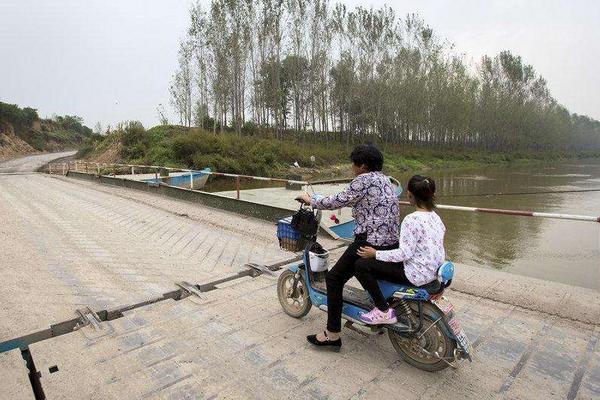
<point x="300" y="200"/>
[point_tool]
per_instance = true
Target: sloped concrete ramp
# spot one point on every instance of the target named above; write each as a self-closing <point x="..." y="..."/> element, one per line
<point x="236" y="342"/>
<point x="65" y="245"/>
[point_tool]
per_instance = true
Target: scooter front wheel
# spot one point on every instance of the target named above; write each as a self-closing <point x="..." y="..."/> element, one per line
<point x="295" y="301"/>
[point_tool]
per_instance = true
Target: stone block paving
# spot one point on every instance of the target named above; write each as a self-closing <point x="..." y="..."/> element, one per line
<point x="15" y="382"/>
<point x="65" y="246"/>
<point x="236" y="343"/>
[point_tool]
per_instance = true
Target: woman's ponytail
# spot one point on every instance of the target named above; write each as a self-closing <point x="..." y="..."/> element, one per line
<point x="423" y="190"/>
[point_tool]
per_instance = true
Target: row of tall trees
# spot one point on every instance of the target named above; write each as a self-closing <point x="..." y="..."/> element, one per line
<point x="313" y="69"/>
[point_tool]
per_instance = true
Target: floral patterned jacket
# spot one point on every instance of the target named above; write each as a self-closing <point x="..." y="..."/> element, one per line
<point x="421" y="247"/>
<point x="374" y="207"/>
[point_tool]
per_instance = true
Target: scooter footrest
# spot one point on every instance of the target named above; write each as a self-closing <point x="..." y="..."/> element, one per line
<point x="399" y="327"/>
<point x="364" y="330"/>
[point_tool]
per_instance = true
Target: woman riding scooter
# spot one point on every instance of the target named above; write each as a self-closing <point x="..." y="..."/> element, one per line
<point x="415" y="262"/>
<point x="375" y="210"/>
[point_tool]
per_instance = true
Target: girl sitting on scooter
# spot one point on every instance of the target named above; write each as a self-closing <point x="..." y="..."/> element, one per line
<point x="375" y="211"/>
<point x="415" y="262"/>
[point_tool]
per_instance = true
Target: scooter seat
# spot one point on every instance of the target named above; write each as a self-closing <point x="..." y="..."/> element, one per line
<point x="432" y="287"/>
<point x="388" y="290"/>
<point x="444" y="278"/>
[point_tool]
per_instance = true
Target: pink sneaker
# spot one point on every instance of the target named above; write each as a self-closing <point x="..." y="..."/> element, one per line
<point x="378" y="317"/>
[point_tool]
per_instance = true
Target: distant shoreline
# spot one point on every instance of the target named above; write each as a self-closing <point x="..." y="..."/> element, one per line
<point x="181" y="147"/>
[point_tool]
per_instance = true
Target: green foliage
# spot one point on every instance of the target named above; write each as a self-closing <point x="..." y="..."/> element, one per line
<point x="160" y="155"/>
<point x="20" y="118"/>
<point x="71" y="123"/>
<point x="58" y="133"/>
<point x="250" y="128"/>
<point x="134" y="140"/>
<point x="86" y="150"/>
<point x="177" y="146"/>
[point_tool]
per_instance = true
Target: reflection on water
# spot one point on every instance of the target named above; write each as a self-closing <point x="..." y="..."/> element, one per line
<point x="564" y="251"/>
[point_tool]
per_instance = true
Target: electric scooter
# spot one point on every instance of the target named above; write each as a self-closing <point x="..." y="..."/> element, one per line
<point x="427" y="335"/>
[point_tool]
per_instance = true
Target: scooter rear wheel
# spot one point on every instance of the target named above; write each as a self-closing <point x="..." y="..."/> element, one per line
<point x="294" y="303"/>
<point x="420" y="350"/>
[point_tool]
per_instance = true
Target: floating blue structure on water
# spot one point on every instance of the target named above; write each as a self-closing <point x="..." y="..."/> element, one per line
<point x="199" y="178"/>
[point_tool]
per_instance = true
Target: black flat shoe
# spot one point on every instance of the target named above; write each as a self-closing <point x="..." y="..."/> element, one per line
<point x="333" y="345"/>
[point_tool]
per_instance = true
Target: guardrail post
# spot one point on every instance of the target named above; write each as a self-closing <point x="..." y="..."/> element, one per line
<point x="156" y="176"/>
<point x="98" y="168"/>
<point x="191" y="180"/>
<point x="237" y="186"/>
<point x="132" y="170"/>
<point x="86" y="167"/>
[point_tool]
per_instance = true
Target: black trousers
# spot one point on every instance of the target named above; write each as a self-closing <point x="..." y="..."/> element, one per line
<point x="369" y="270"/>
<point x="336" y="278"/>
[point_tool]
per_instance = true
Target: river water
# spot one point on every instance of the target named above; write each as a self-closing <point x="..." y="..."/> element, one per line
<point x="557" y="250"/>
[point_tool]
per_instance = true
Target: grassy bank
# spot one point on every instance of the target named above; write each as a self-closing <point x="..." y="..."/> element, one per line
<point x="178" y="146"/>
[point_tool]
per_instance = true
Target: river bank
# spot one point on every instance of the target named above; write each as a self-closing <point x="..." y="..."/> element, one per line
<point x="177" y="146"/>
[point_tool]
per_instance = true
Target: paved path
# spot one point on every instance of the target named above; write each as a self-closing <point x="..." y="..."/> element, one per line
<point x="236" y="343"/>
<point x="31" y="163"/>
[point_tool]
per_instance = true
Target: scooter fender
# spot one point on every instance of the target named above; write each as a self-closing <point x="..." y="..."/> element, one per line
<point x="294" y="267"/>
<point x="438" y="315"/>
<point x="444" y="309"/>
<point x="316" y="297"/>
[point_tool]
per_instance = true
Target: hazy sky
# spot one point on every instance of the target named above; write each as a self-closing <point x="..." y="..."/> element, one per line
<point x="110" y="61"/>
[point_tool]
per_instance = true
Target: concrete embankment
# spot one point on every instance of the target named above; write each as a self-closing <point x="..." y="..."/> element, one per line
<point x="552" y="298"/>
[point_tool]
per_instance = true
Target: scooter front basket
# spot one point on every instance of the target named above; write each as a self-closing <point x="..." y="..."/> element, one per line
<point x="289" y="238"/>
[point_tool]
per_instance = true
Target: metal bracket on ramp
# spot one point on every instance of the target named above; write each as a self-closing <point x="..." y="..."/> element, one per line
<point x="260" y="269"/>
<point x="87" y="316"/>
<point x="189" y="288"/>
